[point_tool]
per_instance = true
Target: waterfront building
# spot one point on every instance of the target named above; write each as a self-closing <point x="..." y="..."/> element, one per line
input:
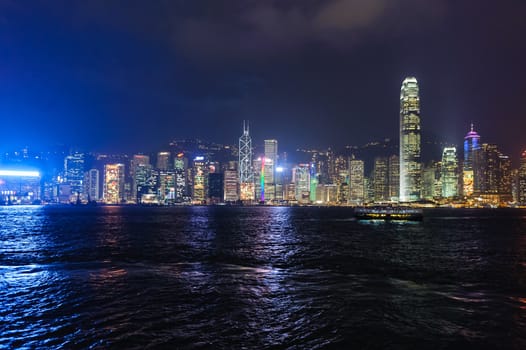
<point x="301" y="180"/>
<point x="410" y="166"/>
<point x="522" y="180"/>
<point x="431" y="181"/>
<point x="492" y="175"/>
<point x="394" y="178"/>
<point x="180" y="167"/>
<point x="200" y="180"/>
<point x="166" y="186"/>
<point x="19" y="187"/>
<point x="92" y="184"/>
<point x="471" y="147"/>
<point x="140" y="171"/>
<point x="356" y="182"/>
<point x="381" y="179"/>
<point x="231" y="186"/>
<point x="163" y="161"/>
<point x="215" y="188"/>
<point x="246" y="174"/>
<point x="271" y="156"/>
<point x="114" y="183"/>
<point x="449" y="172"/>
<point x="74" y="174"/>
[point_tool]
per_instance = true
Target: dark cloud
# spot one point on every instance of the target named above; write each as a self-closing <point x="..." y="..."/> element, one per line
<point x="308" y="72"/>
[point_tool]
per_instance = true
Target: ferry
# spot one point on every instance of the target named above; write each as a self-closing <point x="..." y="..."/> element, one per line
<point x="388" y="213"/>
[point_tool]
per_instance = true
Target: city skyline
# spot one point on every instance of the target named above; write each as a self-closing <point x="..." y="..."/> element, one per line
<point x="104" y="76"/>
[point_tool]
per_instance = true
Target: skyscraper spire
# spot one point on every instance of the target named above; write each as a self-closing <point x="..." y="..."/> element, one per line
<point x="246" y="175"/>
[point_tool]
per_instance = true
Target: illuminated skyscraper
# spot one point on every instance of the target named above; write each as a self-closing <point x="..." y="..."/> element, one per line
<point x="522" y="180"/>
<point x="271" y="155"/>
<point x="246" y="174"/>
<point x="200" y="180"/>
<point x="381" y="180"/>
<point x="271" y="161"/>
<point x="410" y="166"/>
<point x="301" y="180"/>
<point x="394" y="178"/>
<point x="114" y="183"/>
<point x="91" y="185"/>
<point x="471" y="147"/>
<point x="140" y="171"/>
<point x="163" y="160"/>
<point x="431" y="183"/>
<point x="449" y="172"/>
<point x="74" y="173"/>
<point x="356" y="182"/>
<point x="231" y="186"/>
<point x="180" y="166"/>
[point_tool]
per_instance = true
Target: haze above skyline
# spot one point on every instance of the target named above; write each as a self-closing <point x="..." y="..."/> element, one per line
<point x="132" y="75"/>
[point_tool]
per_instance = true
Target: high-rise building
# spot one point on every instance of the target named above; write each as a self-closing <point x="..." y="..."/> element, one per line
<point x="449" y="172"/>
<point x="74" y="173"/>
<point x="492" y="175"/>
<point x="431" y="182"/>
<point x="271" y="155"/>
<point x="163" y="160"/>
<point x="471" y="147"/>
<point x="91" y="185"/>
<point x="410" y="166"/>
<point x="180" y="167"/>
<point x="394" y="178"/>
<point x="301" y="180"/>
<point x="522" y="179"/>
<point x="231" y="186"/>
<point x="381" y="179"/>
<point x="215" y="187"/>
<point x="166" y="186"/>
<point x="270" y="164"/>
<point x="246" y="174"/>
<point x="356" y="182"/>
<point x="113" y="183"/>
<point x="200" y="180"/>
<point x="140" y="172"/>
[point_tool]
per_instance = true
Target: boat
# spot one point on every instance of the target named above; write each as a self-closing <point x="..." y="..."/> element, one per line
<point x="388" y="213"/>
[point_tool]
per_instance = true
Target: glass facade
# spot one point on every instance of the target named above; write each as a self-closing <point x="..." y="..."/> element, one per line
<point x="410" y="166"/>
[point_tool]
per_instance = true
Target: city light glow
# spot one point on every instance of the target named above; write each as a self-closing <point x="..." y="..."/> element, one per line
<point x="20" y="173"/>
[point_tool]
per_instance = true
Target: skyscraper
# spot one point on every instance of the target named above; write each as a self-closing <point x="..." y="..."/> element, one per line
<point x="394" y="178"/>
<point x="140" y="171"/>
<point x="180" y="166"/>
<point x="471" y="147"/>
<point x="522" y="179"/>
<point x="74" y="173"/>
<point x="163" y="160"/>
<point x="91" y="184"/>
<point x="410" y="166"/>
<point x="449" y="172"/>
<point x="356" y="182"/>
<point x="246" y="174"/>
<point x="271" y="161"/>
<point x="231" y="185"/>
<point x="200" y="180"/>
<point x="301" y="179"/>
<point x="381" y="179"/>
<point x="114" y="183"/>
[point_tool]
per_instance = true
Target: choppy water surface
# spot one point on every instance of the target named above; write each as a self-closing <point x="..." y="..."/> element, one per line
<point x="260" y="277"/>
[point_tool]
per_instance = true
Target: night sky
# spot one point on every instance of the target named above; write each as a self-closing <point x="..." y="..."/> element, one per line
<point x="132" y="75"/>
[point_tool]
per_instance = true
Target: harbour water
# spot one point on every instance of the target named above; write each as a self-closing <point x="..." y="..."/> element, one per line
<point x="260" y="277"/>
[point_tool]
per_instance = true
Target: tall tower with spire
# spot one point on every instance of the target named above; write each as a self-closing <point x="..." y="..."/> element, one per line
<point x="410" y="166"/>
<point x="469" y="166"/>
<point x="246" y="174"/>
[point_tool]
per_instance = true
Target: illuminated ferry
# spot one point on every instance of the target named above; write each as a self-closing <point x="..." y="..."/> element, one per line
<point x="388" y="213"/>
